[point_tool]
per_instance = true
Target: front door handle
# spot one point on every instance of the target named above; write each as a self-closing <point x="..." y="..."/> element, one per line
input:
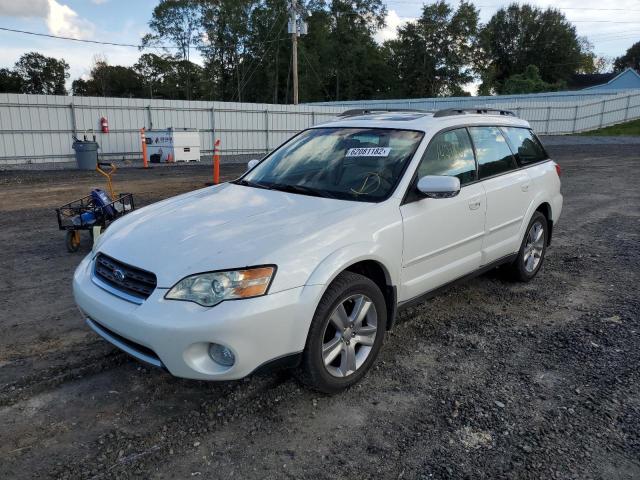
<point x="474" y="204"/>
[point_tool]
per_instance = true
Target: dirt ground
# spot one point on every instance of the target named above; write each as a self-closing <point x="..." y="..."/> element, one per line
<point x="489" y="380"/>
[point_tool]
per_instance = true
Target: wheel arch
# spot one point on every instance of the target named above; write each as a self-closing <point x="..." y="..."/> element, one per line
<point x="363" y="259"/>
<point x="376" y="272"/>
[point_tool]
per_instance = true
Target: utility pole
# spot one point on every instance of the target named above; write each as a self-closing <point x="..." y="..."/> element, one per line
<point x="296" y="28"/>
<point x="294" y="49"/>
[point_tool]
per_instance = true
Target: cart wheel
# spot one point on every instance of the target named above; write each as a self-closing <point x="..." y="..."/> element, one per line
<point x="73" y="240"/>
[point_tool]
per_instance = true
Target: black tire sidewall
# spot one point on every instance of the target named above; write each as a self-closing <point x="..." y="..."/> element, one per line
<point x="344" y="286"/>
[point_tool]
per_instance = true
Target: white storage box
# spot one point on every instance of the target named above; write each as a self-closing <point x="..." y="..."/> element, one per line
<point x="173" y="144"/>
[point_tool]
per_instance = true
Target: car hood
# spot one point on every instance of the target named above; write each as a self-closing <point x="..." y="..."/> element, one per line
<point x="227" y="226"/>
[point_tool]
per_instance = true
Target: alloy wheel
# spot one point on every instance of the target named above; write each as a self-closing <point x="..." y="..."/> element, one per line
<point x="349" y="335"/>
<point x="534" y="247"/>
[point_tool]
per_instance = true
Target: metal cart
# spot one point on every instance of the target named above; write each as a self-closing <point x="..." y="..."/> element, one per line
<point x="96" y="210"/>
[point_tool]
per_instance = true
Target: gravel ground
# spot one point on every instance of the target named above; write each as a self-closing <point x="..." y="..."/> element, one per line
<point x="489" y="380"/>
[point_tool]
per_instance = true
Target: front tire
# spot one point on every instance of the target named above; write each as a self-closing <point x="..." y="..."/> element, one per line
<point x="346" y="334"/>
<point x="532" y="249"/>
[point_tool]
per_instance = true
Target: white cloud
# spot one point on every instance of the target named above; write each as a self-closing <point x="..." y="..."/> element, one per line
<point x="60" y="19"/>
<point x="392" y="21"/>
<point x="63" y="21"/>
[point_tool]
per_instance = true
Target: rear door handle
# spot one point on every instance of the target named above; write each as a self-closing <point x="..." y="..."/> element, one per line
<point x="474" y="204"/>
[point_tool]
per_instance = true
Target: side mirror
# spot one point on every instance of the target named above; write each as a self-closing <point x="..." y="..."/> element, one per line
<point x="436" y="186"/>
<point x="252" y="163"/>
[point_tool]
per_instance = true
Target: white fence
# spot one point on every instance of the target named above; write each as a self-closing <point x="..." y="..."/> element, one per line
<point x="549" y="113"/>
<point x="39" y="128"/>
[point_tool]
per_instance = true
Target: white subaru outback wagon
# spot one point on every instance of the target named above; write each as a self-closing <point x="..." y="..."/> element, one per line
<point x="305" y="259"/>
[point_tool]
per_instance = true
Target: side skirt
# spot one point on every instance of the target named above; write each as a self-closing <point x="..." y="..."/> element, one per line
<point x="436" y="291"/>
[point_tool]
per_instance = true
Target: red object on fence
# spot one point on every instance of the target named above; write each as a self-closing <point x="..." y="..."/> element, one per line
<point x="104" y="125"/>
<point x="216" y="162"/>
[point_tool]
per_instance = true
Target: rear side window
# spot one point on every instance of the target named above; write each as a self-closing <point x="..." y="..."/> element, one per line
<point x="492" y="151"/>
<point x="526" y="145"/>
<point x="449" y="153"/>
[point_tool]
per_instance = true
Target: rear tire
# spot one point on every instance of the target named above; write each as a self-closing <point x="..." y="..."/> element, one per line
<point x="532" y="250"/>
<point x="346" y="334"/>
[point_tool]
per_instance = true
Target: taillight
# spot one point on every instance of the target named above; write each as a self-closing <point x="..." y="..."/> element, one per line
<point x="558" y="170"/>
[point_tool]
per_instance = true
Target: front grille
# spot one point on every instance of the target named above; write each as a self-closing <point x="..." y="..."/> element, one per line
<point x="131" y="280"/>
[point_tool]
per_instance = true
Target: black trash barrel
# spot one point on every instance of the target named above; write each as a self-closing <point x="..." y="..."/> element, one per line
<point x="86" y="154"/>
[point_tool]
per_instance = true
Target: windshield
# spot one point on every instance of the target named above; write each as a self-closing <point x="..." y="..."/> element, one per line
<point x="362" y="164"/>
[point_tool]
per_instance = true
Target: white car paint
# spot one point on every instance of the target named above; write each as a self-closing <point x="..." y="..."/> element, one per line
<point x="420" y="245"/>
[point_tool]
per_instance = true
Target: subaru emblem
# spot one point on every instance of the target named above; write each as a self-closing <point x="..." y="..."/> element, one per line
<point x="119" y="274"/>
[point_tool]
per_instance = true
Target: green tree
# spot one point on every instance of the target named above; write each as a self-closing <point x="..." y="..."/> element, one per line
<point x="226" y="48"/>
<point x="352" y="53"/>
<point x="434" y="55"/>
<point x="265" y="59"/>
<point x="109" y="81"/>
<point x="10" y="81"/>
<point x="630" y="59"/>
<point x="179" y="24"/>
<point x="522" y="35"/>
<point x="42" y="75"/>
<point x="529" y="82"/>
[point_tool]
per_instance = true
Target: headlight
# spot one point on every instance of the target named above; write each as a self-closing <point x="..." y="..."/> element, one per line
<point x="211" y="288"/>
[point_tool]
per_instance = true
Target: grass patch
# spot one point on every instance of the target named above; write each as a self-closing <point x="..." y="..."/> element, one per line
<point x="630" y="129"/>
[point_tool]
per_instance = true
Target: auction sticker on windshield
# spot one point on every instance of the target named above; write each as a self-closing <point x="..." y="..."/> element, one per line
<point x="369" y="152"/>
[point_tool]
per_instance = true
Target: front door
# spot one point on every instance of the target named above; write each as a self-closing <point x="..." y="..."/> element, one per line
<point x="443" y="237"/>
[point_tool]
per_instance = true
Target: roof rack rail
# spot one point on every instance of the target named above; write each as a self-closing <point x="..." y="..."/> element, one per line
<point x="462" y="111"/>
<point x="364" y="111"/>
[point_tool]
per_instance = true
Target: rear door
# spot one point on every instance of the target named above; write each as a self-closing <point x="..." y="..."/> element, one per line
<point x="443" y="237"/>
<point x="508" y="190"/>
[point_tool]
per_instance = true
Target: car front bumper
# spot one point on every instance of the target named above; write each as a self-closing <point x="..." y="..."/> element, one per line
<point x="176" y="334"/>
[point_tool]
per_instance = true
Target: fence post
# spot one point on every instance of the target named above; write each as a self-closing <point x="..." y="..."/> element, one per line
<point x="601" y="113"/>
<point x="266" y="130"/>
<point x="150" y="117"/>
<point x="546" y="129"/>
<point x="575" y="118"/>
<point x="213" y="122"/>
<point x="74" y="126"/>
<point x="626" y="110"/>
<point x="216" y="162"/>
<point x="313" y="118"/>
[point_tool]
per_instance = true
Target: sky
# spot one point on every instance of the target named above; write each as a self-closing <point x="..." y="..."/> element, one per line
<point x="611" y="26"/>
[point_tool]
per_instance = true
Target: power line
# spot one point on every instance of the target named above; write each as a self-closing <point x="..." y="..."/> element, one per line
<point x="59" y="37"/>
<point x="114" y="44"/>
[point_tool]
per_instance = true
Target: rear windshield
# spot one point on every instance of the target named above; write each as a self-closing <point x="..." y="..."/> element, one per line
<point x="362" y="164"/>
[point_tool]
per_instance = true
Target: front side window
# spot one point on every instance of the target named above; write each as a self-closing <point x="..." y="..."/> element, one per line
<point x="449" y="153"/>
<point x="493" y="154"/>
<point x="527" y="147"/>
<point x="362" y="164"/>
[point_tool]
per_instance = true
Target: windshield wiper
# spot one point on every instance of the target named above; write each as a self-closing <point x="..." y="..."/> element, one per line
<point x="300" y="189"/>
<point x="249" y="183"/>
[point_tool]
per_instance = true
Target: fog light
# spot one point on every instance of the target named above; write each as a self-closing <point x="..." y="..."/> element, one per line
<point x="221" y="355"/>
